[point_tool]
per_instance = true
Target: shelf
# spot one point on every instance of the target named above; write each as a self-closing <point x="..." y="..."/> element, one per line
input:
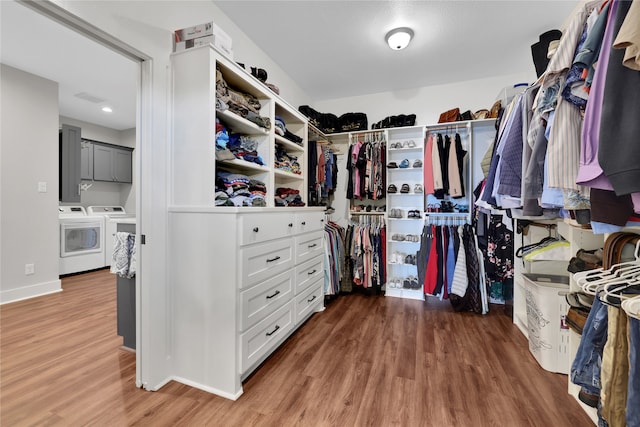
<point x="241" y="165"/>
<point x="405" y="219"/>
<point x="239" y="124"/>
<point x="290" y="145"/>
<point x="366" y="213"/>
<point x="287" y="175"/>
<point x="418" y="148"/>
<point x="404" y="194"/>
<point x="405" y="293"/>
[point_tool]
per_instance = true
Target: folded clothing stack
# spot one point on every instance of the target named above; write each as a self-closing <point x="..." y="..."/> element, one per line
<point x="234" y="189"/>
<point x="240" y="103"/>
<point x="288" y="197"/>
<point x="286" y="161"/>
<point x="281" y="129"/>
<point x="243" y="147"/>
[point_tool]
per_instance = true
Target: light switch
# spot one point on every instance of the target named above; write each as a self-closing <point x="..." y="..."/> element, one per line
<point x="42" y="187"/>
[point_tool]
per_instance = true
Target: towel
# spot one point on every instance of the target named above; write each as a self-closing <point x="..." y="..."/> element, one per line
<point x="123" y="261"/>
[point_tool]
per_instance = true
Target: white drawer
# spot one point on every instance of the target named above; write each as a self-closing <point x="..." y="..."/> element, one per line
<point x="309" y="246"/>
<point x="309" y="221"/>
<point x="258" y="302"/>
<point x="308" y="301"/>
<point x="263" y="337"/>
<point x="308" y="272"/>
<point x="260" y="262"/>
<point x="260" y="227"/>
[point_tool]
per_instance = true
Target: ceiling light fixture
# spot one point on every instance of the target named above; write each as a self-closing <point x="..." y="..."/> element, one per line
<point x="399" y="38"/>
<point x="107" y="109"/>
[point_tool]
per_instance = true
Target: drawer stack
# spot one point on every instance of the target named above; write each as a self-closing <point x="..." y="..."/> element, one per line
<point x="254" y="278"/>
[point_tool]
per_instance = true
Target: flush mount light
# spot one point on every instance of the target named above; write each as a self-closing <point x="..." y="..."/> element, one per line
<point x="107" y="109"/>
<point x="399" y="38"/>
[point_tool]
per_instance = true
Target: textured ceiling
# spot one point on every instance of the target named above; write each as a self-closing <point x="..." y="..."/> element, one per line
<point x="336" y="49"/>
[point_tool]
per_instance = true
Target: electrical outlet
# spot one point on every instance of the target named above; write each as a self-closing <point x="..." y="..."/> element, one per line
<point x="42" y="187"/>
<point x="29" y="269"/>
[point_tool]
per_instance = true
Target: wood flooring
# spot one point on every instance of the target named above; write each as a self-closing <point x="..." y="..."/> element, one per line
<point x="364" y="361"/>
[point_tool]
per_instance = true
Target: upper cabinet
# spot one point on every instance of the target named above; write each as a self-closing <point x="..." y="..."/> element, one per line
<point x="69" y="164"/>
<point x="86" y="160"/>
<point x="111" y="163"/>
<point x="235" y="142"/>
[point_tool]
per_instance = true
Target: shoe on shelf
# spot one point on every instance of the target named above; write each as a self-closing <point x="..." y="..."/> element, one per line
<point x="418" y="188"/>
<point x="405" y="188"/>
<point x="392" y="165"/>
<point x="392" y="188"/>
<point x="417" y="163"/>
<point x="404" y="164"/>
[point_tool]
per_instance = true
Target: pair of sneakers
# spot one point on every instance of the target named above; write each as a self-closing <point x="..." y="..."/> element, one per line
<point x="396" y="213"/>
<point x="415" y="214"/>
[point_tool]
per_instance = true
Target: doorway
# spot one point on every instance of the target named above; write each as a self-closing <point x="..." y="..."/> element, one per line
<point x="37" y="34"/>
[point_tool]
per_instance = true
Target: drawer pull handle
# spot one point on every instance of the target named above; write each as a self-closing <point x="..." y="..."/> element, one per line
<point x="311" y="272"/>
<point x="274" y="331"/>
<point x="304" y="223"/>
<point x="313" y="246"/>
<point x="322" y="220"/>
<point x="256" y="229"/>
<point x="309" y="300"/>
<point x="273" y="259"/>
<point x="274" y="295"/>
<point x="290" y="224"/>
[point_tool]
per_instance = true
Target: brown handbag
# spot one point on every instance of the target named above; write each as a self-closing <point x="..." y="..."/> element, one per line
<point x="452" y="115"/>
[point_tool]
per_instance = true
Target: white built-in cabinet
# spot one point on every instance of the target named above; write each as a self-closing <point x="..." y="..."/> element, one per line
<point x="408" y="143"/>
<point x="194" y="164"/>
<point x="242" y="279"/>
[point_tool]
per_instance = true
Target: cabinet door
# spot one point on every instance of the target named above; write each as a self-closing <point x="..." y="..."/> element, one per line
<point x="122" y="165"/>
<point x="102" y="167"/>
<point x="69" y="163"/>
<point x="86" y="160"/>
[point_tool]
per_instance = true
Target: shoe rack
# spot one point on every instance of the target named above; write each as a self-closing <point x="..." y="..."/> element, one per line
<point x="405" y="210"/>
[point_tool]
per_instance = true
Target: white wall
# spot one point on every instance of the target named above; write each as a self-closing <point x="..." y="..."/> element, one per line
<point x="426" y="102"/>
<point x="28" y="155"/>
<point x="106" y="193"/>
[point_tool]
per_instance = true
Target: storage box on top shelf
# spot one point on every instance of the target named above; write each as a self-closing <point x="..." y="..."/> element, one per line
<point x="202" y="34"/>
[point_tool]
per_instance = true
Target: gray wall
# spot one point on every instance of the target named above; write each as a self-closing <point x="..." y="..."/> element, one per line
<point x="29" y="232"/>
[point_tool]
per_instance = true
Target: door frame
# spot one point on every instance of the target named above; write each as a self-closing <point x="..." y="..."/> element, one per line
<point x="143" y="145"/>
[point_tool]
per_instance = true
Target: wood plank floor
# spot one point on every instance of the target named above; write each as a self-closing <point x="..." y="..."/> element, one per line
<point x="364" y="361"/>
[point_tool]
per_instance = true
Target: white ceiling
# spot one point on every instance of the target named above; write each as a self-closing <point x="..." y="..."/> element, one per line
<point x="335" y="49"/>
<point x="332" y="49"/>
<point x="36" y="44"/>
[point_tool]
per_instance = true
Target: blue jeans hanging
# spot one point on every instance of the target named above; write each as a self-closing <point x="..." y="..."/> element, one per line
<point x="585" y="370"/>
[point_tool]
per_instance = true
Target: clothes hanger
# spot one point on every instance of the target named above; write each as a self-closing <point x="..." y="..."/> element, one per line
<point x="632" y="307"/>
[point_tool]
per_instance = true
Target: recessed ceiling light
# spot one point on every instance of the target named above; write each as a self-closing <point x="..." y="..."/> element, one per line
<point x="399" y="38"/>
<point x="107" y="109"/>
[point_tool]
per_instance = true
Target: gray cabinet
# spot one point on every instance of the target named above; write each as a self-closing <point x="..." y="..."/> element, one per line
<point x="69" y="164"/>
<point x="86" y="160"/>
<point x="111" y="163"/>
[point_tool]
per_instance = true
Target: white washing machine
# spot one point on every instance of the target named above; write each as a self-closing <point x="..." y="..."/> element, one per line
<point x="82" y="245"/>
<point x="111" y="215"/>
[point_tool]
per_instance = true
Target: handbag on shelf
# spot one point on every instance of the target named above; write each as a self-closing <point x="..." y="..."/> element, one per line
<point x="452" y="115"/>
<point x="467" y="115"/>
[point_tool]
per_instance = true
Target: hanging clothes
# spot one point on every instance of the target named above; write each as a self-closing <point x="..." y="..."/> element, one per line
<point x="365" y="246"/>
<point x="334" y="257"/>
<point x="366" y="166"/>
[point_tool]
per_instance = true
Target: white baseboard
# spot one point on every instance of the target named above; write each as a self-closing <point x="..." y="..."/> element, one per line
<point x="31" y="291"/>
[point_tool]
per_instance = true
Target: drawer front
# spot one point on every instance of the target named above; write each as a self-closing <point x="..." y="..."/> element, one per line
<point x="308" y="301"/>
<point x="258" y="302"/>
<point x="309" y="221"/>
<point x="256" y="228"/>
<point x="260" y="262"/>
<point x="263" y="337"/>
<point x="308" y="272"/>
<point x="309" y="246"/>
